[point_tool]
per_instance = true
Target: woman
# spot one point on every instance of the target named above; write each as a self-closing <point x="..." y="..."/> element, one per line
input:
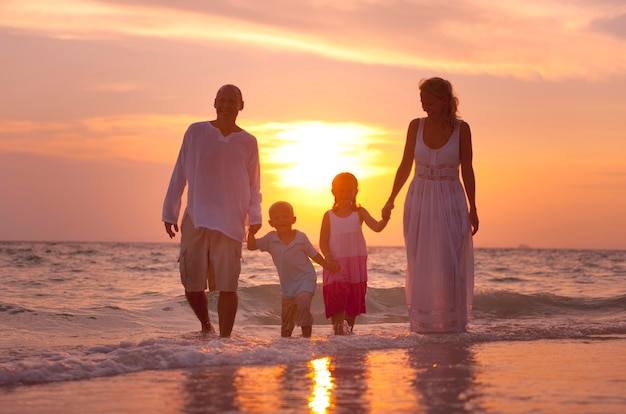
<point x="437" y="226"/>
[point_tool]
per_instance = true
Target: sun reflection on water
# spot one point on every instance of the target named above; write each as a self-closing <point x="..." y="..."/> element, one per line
<point x="323" y="383"/>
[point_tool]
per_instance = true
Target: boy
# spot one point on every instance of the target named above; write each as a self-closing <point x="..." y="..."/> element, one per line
<point x="291" y="250"/>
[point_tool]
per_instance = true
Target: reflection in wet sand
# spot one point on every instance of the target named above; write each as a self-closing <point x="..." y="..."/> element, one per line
<point x="445" y="377"/>
<point x="259" y="387"/>
<point x="208" y="390"/>
<point x="350" y="381"/>
<point x="431" y="377"/>
<point x="323" y="384"/>
<point x="390" y="382"/>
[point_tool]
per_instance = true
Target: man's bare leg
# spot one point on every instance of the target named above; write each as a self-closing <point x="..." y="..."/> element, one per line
<point x="226" y="311"/>
<point x="200" y="305"/>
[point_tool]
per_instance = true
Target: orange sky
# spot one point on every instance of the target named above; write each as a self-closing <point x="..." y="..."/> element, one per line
<point x="96" y="96"/>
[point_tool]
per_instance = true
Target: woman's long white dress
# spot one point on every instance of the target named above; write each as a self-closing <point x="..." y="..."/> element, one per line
<point x="437" y="233"/>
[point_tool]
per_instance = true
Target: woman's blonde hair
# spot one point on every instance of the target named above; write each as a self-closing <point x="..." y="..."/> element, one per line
<point x="442" y="88"/>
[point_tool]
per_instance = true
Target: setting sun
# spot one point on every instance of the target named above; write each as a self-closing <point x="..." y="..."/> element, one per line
<point x="309" y="154"/>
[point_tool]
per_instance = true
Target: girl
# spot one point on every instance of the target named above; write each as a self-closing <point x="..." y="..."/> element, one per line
<point x="342" y="240"/>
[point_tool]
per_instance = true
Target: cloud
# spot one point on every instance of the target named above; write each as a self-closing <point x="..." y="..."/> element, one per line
<point x="525" y="39"/>
<point x="113" y="87"/>
<point x="613" y="25"/>
<point x="151" y="138"/>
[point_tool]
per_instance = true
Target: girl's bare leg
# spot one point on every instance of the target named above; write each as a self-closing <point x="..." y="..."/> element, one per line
<point x="350" y="320"/>
<point x="337" y="320"/>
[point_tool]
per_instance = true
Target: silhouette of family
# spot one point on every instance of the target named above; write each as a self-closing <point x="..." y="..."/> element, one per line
<point x="218" y="164"/>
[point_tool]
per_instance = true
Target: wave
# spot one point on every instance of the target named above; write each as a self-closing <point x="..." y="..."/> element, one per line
<point x="506" y="304"/>
<point x="260" y="305"/>
<point x="258" y="345"/>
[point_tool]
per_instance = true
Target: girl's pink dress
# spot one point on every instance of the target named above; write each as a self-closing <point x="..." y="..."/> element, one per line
<point x="345" y="289"/>
<point x="440" y="273"/>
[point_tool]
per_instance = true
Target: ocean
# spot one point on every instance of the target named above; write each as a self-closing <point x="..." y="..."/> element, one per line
<point x="105" y="327"/>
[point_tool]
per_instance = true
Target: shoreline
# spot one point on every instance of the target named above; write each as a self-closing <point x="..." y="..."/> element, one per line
<point x="547" y="375"/>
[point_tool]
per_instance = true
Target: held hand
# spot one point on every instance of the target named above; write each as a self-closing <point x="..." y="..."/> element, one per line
<point x="254" y="228"/>
<point x="333" y="265"/>
<point x="169" y="231"/>
<point x="386" y="213"/>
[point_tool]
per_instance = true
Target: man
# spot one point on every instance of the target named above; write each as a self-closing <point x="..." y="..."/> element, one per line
<point x="219" y="162"/>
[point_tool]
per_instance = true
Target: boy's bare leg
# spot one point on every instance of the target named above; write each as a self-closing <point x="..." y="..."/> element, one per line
<point x="200" y="305"/>
<point x="288" y="316"/>
<point x="226" y="312"/>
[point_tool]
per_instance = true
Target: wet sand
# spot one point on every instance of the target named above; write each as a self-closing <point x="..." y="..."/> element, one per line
<point x="547" y="376"/>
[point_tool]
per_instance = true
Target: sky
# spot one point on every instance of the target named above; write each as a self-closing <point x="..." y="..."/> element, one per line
<point x="96" y="96"/>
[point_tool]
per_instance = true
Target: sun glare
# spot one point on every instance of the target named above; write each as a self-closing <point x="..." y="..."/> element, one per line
<point x="309" y="154"/>
<point x="320" y="400"/>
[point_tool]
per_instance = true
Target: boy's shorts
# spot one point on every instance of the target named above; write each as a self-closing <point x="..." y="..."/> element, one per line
<point x="208" y="258"/>
<point x="296" y="311"/>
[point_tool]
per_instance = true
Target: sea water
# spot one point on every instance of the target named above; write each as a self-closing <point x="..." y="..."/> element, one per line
<point x="88" y="311"/>
<point x="81" y="310"/>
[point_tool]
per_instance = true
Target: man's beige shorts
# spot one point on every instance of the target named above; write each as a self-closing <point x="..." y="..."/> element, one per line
<point x="208" y="258"/>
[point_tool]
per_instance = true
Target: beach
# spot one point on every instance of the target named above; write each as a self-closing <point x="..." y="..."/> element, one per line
<point x="439" y="376"/>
